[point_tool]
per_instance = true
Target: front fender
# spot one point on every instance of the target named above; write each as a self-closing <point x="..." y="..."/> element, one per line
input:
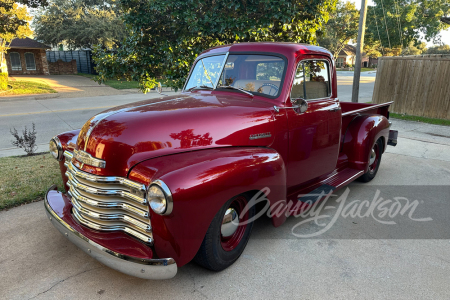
<point x="361" y="134"/>
<point x="201" y="182"/>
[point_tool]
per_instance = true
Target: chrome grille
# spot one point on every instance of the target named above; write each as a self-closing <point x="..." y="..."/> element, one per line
<point x="108" y="203"/>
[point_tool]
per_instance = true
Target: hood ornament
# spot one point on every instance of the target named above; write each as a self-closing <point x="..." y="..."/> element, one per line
<point x="88" y="159"/>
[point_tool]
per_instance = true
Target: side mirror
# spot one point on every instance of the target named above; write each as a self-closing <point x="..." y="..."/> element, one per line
<point x="300" y="104"/>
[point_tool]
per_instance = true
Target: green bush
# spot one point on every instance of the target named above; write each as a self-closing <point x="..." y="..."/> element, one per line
<point x="3" y="81"/>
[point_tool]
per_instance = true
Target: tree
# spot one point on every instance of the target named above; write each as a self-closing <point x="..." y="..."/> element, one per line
<point x="80" y="23"/>
<point x="341" y="27"/>
<point x="414" y="49"/>
<point x="165" y="36"/>
<point x="442" y="49"/>
<point x="13" y="24"/>
<point x="395" y="23"/>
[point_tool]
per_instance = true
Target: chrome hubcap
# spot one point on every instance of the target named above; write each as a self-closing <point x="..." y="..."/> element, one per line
<point x="373" y="156"/>
<point x="230" y="222"/>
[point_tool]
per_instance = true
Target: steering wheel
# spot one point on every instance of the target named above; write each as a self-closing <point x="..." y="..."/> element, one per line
<point x="273" y="87"/>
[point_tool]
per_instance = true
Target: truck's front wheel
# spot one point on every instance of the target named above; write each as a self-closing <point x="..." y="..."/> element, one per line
<point x="374" y="161"/>
<point x="227" y="235"/>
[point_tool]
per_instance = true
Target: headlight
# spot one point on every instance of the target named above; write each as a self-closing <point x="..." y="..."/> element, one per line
<point x="159" y="198"/>
<point x="55" y="148"/>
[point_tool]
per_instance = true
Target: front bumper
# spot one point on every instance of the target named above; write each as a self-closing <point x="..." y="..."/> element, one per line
<point x="57" y="210"/>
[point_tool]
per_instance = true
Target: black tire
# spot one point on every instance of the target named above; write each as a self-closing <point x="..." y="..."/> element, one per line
<point x="211" y="254"/>
<point x="372" y="172"/>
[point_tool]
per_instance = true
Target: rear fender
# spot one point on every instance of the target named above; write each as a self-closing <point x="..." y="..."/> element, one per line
<point x="201" y="182"/>
<point x="360" y="137"/>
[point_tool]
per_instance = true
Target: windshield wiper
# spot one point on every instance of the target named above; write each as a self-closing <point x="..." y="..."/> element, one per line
<point x="199" y="87"/>
<point x="235" y="88"/>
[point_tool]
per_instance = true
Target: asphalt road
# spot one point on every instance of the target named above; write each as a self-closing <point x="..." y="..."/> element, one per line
<point x="55" y="115"/>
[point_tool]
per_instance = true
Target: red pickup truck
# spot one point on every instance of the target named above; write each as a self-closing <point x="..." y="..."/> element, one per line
<point x="152" y="185"/>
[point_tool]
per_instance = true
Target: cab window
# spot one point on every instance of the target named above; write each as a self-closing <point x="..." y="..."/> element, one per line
<point x="312" y="80"/>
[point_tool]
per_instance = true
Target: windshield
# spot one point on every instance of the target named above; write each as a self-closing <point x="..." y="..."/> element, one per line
<point x="258" y="74"/>
<point x="254" y="73"/>
<point x="206" y="72"/>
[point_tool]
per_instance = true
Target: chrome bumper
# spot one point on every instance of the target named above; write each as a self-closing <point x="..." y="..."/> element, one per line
<point x="164" y="268"/>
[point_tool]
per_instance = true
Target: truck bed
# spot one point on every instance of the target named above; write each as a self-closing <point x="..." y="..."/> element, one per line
<point x="350" y="108"/>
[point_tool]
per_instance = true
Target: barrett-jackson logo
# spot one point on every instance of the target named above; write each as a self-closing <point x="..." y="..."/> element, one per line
<point x="88" y="159"/>
<point x="260" y="135"/>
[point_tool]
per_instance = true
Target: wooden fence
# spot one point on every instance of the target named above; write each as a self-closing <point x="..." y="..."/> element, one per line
<point x="83" y="59"/>
<point x="418" y="85"/>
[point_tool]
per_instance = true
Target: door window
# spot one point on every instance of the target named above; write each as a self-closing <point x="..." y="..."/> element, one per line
<point x="312" y="80"/>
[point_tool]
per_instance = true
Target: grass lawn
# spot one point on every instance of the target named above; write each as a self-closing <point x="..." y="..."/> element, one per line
<point x="117" y="84"/>
<point x="25" y="179"/>
<point x="22" y="87"/>
<point x="420" y="119"/>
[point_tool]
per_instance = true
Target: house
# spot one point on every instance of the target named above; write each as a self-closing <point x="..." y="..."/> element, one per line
<point x="347" y="56"/>
<point x="27" y="57"/>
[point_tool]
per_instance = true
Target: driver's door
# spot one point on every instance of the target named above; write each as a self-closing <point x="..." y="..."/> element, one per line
<point x="314" y="134"/>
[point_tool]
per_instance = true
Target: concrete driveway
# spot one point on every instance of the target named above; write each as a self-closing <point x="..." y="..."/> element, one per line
<point x="351" y="261"/>
<point x="68" y="86"/>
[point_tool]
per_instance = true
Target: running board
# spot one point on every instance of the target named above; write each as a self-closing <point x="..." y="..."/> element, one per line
<point x="321" y="189"/>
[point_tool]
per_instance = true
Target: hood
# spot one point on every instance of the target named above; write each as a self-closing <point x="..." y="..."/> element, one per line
<point x="126" y="135"/>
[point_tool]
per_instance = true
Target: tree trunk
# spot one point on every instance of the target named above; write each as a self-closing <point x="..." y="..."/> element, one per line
<point x="3" y="66"/>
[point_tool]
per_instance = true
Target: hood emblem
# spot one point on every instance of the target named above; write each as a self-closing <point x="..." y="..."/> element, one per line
<point x="88" y="159"/>
<point x="260" y="135"/>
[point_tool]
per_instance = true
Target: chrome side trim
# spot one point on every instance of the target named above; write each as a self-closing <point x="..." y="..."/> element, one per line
<point x="104" y="179"/>
<point x="360" y="173"/>
<point x="163" y="268"/>
<point x="75" y="183"/>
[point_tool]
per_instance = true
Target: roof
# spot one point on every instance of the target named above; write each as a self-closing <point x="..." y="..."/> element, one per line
<point x="287" y="49"/>
<point x="348" y="50"/>
<point x="27" y="43"/>
<point x="446" y="20"/>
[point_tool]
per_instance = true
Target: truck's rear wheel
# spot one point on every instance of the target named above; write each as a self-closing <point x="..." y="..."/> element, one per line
<point x="374" y="161"/>
<point x="226" y="237"/>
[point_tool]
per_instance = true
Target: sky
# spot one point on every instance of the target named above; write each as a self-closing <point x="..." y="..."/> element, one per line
<point x="445" y="34"/>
